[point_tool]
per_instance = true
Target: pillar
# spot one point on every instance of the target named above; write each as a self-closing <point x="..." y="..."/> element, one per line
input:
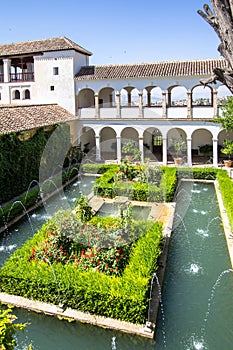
<point x="215" y="103"/>
<point x="118" y="104"/>
<point x="169" y="98"/>
<point x="140" y="105"/>
<point x="189" y="152"/>
<point x="148" y="98"/>
<point x="215" y="153"/>
<point x="129" y="98"/>
<point x="6" y="69"/>
<point x="164" y="151"/>
<point x="164" y="104"/>
<point x="140" y="140"/>
<point x="189" y="104"/>
<point x="118" y="139"/>
<point x="97" y="114"/>
<point x="97" y="143"/>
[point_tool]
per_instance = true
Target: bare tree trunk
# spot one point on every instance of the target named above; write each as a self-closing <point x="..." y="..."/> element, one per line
<point x="221" y="20"/>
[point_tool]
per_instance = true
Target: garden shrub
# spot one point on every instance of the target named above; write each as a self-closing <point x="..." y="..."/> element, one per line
<point x="16" y="206"/>
<point x="197" y="173"/>
<point x="94" y="168"/>
<point x="140" y="183"/>
<point x="123" y="297"/>
<point x="226" y="188"/>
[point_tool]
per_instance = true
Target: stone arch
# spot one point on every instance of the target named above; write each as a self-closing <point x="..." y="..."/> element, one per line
<point x="202" y="146"/>
<point x="153" y="144"/>
<point x="106" y="97"/>
<point x="222" y="136"/>
<point x="173" y="135"/>
<point x="16" y="95"/>
<point x="88" y="142"/>
<point x="129" y="133"/>
<point x="129" y="96"/>
<point x="152" y="96"/>
<point x="86" y="98"/>
<point x="26" y="94"/>
<point x="223" y="94"/>
<point x="177" y="96"/>
<point x="202" y="96"/>
<point x="108" y="143"/>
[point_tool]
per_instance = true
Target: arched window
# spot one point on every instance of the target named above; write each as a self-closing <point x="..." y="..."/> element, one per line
<point x="27" y="94"/>
<point x="16" y="95"/>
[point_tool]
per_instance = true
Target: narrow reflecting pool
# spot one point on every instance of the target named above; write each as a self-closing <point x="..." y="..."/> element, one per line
<point x="197" y="303"/>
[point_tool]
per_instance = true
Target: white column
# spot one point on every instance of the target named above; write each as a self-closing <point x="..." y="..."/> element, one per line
<point x="6" y="69"/>
<point x="118" y="138"/>
<point x="189" y="152"/>
<point x="97" y="114"/>
<point x="140" y="104"/>
<point x="215" y="153"/>
<point x="97" y="144"/>
<point x="164" y="151"/>
<point x="140" y="140"/>
<point x="215" y="103"/>
<point x="189" y="104"/>
<point x="118" y="104"/>
<point x="164" y="104"/>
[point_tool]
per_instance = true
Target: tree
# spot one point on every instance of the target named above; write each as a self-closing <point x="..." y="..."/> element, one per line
<point x="226" y="120"/>
<point x="221" y="20"/>
<point x="8" y="329"/>
<point x="130" y="148"/>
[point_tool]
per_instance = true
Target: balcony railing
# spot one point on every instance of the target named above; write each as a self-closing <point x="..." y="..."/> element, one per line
<point x="206" y="112"/>
<point x="21" y="77"/>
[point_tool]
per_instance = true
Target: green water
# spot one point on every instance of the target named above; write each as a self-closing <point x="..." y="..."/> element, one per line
<point x="197" y="292"/>
<point x="196" y="312"/>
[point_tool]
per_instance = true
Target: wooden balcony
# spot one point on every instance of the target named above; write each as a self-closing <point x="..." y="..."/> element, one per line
<point x="15" y="77"/>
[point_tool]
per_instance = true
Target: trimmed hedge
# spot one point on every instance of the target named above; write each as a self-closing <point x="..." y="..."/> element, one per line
<point x="106" y="187"/>
<point x="197" y="173"/>
<point x="16" y="207"/>
<point x="94" y="168"/>
<point x="125" y="297"/>
<point x="226" y="188"/>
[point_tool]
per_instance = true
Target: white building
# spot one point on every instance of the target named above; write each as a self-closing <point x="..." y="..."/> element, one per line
<point x="151" y="103"/>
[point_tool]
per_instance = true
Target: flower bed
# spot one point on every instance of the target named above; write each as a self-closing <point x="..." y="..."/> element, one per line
<point x="141" y="183"/>
<point x="104" y="273"/>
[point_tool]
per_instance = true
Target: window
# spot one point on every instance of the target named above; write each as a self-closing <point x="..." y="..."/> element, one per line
<point x="27" y="94"/>
<point x="158" y="140"/>
<point x="51" y="88"/>
<point x="16" y="95"/>
<point x="55" y="71"/>
<point x="0" y="96"/>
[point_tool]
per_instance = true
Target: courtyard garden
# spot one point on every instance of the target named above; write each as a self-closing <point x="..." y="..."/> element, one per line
<point x="101" y="265"/>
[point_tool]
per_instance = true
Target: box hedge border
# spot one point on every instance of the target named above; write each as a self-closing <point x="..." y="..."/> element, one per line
<point x="123" y="297"/>
<point x="105" y="187"/>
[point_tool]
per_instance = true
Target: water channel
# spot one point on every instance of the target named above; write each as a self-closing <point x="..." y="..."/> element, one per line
<point x="197" y="306"/>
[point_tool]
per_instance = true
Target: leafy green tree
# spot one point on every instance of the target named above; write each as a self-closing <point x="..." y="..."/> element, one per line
<point x="84" y="210"/>
<point x="226" y="120"/>
<point x="8" y="329"/>
<point x="132" y="151"/>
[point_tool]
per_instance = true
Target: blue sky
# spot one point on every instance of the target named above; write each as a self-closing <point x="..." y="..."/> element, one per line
<point x="121" y="31"/>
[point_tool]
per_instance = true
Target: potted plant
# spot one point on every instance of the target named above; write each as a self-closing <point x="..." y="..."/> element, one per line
<point x="179" y="146"/>
<point x="228" y="149"/>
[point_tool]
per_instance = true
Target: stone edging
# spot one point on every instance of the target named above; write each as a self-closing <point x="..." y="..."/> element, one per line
<point x="225" y="221"/>
<point x="166" y="217"/>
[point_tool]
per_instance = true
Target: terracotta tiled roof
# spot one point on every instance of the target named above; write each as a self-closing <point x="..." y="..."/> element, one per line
<point x="157" y="69"/>
<point x="44" y="45"/>
<point x="14" y="118"/>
